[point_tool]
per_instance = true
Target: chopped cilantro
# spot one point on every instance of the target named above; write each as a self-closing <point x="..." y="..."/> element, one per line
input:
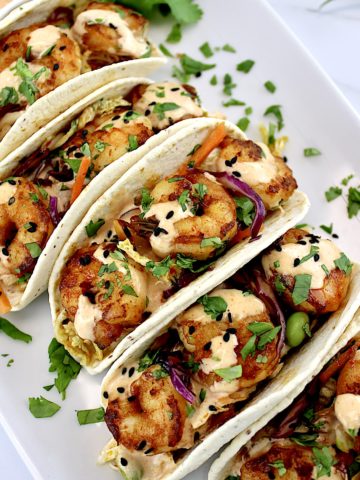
<point x="270" y="86"/>
<point x="313" y="251"/>
<point x="228" y="85"/>
<point x="301" y="289"/>
<point x="343" y="263"/>
<point x="184" y="11"/>
<point x="213" y="306"/>
<point x="326" y="270"/>
<point x="8" y="95"/>
<point x="34" y="249"/>
<point x="206" y="50"/>
<point x="213" y="80"/>
<point x="353" y="205"/>
<point x="245" y="210"/>
<point x="276" y="111"/>
<point x="243" y="123"/>
<point x="211" y="242"/>
<point x="13" y="332"/>
<point x="333" y="193"/>
<point x="133" y="143"/>
<point x="159" y="269"/>
<point x="327" y="228"/>
<point x="323" y="461"/>
<point x="230" y="373"/>
<point x="279" y="286"/>
<point x="161" y="108"/>
<point x="183" y="199"/>
<point x="100" y="146"/>
<point x="92" y="227"/>
<point x="280" y="467"/>
<point x="85" y="417"/>
<point x="228" y="48"/>
<point x="42" y="408"/>
<point x="165" y="50"/>
<point x="233" y="103"/>
<point x="128" y="289"/>
<point x="63" y="364"/>
<point x="191" y="66"/>
<point x="347" y="179"/>
<point x="160" y="373"/>
<point x="107" y="268"/>
<point x="311" y="152"/>
<point x="245" y="66"/>
<point x="175" y="34"/>
<point x="146" y="201"/>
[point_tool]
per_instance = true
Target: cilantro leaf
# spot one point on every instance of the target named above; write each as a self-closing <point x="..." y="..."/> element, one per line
<point x="243" y="123"/>
<point x="133" y="143"/>
<point x="245" y="66"/>
<point x="323" y="461"/>
<point x="13" y="332"/>
<point x="128" y="289"/>
<point x="159" y="269"/>
<point x="270" y="86"/>
<point x="311" y="152"/>
<point x="92" y="227"/>
<point x="280" y="467"/>
<point x="40" y="407"/>
<point x="191" y="66"/>
<point x="95" y="415"/>
<point x="63" y="364"/>
<point x="276" y="111"/>
<point x="233" y="103"/>
<point x="34" y="249"/>
<point x="230" y="373"/>
<point x="353" y="205"/>
<point x="245" y="210"/>
<point x="8" y="95"/>
<point x="175" y="34"/>
<point x="160" y="109"/>
<point x="206" y="50"/>
<point x="343" y="263"/>
<point x="301" y="289"/>
<point x="213" y="306"/>
<point x="165" y="50"/>
<point x="333" y="193"/>
<point x="211" y="242"/>
<point x="313" y="251"/>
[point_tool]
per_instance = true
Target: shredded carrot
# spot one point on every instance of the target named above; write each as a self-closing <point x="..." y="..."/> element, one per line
<point x="240" y="235"/>
<point x="338" y="363"/>
<point x="212" y="141"/>
<point x="80" y="179"/>
<point x="5" y="305"/>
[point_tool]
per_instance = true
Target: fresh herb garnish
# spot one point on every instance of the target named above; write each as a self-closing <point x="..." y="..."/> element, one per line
<point x="34" y="249"/>
<point x="63" y="364"/>
<point x="200" y="191"/>
<point x="206" y="50"/>
<point x="191" y="66"/>
<point x="92" y="227"/>
<point x="128" y="289"/>
<point x="85" y="417"/>
<point x="133" y="143"/>
<point x="270" y="86"/>
<point x="27" y="87"/>
<point x="233" y="103"/>
<point x="230" y="373"/>
<point x="228" y="85"/>
<point x="280" y="467"/>
<point x="245" y="66"/>
<point x="343" y="263"/>
<point x="159" y="269"/>
<point x="326" y="270"/>
<point x="13" y="332"/>
<point x="213" y="306"/>
<point x="160" y="109"/>
<point x="313" y="251"/>
<point x="146" y="201"/>
<point x="8" y="95"/>
<point x="228" y="48"/>
<point x="40" y="407"/>
<point x="107" y="268"/>
<point x="202" y="395"/>
<point x="301" y="289"/>
<point x="327" y="228"/>
<point x="175" y="34"/>
<point x="333" y="193"/>
<point x="353" y="205"/>
<point x="323" y="461"/>
<point x="183" y="199"/>
<point x="305" y="439"/>
<point x="100" y="146"/>
<point x="347" y="179"/>
<point x="160" y="373"/>
<point x="213" y="80"/>
<point x="245" y="210"/>
<point x="276" y="111"/>
<point x="311" y="152"/>
<point x="211" y="242"/>
<point x="279" y="286"/>
<point x="243" y="123"/>
<point x="165" y="50"/>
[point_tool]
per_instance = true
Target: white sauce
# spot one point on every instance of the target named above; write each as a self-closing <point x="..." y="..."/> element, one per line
<point x="347" y="410"/>
<point x="162" y="244"/>
<point x="328" y="252"/>
<point x="120" y="123"/>
<point x="86" y="317"/>
<point x="6" y="192"/>
<point x="42" y="39"/>
<point x="187" y="106"/>
<point x="223" y="354"/>
<point x="128" y="42"/>
<point x="252" y="173"/>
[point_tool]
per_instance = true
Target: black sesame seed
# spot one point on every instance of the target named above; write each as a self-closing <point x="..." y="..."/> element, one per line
<point x="219" y="317"/>
<point x="141" y="445"/>
<point x="79" y="155"/>
<point x="85" y="260"/>
<point x="65" y="321"/>
<point x="71" y="149"/>
<point x="131" y="371"/>
<point x="84" y="133"/>
<point x="32" y="228"/>
<point x="196" y="436"/>
<point x="175" y="89"/>
<point x="236" y="173"/>
<point x="207" y="346"/>
<point x="147" y="113"/>
<point x="233" y="160"/>
<point x="212" y="408"/>
<point x="230" y="317"/>
<point x="159" y="230"/>
<point x="129" y="113"/>
<point x="12" y="182"/>
<point x="335" y="235"/>
<point x="105" y="395"/>
<point x="131" y="398"/>
<point x="296" y="262"/>
<point x="152" y="103"/>
<point x="278" y="248"/>
<point x="5" y="252"/>
<point x="170" y="214"/>
<point x="316" y="257"/>
<point x="124" y="370"/>
<point x="109" y="233"/>
<point x="56" y="66"/>
<point x="271" y="475"/>
<point x="226" y="337"/>
<point x="198" y="74"/>
<point x="63" y="47"/>
<point x="126" y="120"/>
<point x="106" y="253"/>
<point x="232" y="331"/>
<point x="285" y="159"/>
<point x="11" y="200"/>
<point x="148" y="451"/>
<point x="116" y="117"/>
<point x="228" y="163"/>
<point x="111" y="25"/>
<point x="121" y="389"/>
<point x="191" y="329"/>
<point x="302" y="242"/>
<point x="123" y="460"/>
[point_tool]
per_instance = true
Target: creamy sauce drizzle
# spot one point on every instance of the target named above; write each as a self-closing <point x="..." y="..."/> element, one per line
<point x="328" y="252"/>
<point x="123" y="121"/>
<point x="42" y="39"/>
<point x="223" y="354"/>
<point x="128" y="42"/>
<point x="162" y="244"/>
<point x="86" y="317"/>
<point x="347" y="410"/>
<point x="6" y="192"/>
<point x="170" y="92"/>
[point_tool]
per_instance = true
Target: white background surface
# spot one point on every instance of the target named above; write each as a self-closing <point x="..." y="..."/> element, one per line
<point x="332" y="35"/>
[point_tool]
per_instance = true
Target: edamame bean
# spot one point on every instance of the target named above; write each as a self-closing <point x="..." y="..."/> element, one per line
<point x="295" y="328"/>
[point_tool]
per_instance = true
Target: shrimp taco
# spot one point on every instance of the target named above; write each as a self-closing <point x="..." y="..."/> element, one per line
<point x="186" y="216"/>
<point x="181" y="392"/>
<point x="317" y="436"/>
<point x="52" y="180"/>
<point x="55" y="52"/>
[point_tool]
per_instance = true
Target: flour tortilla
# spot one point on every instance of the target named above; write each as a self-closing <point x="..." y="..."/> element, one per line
<point x="297" y="372"/>
<point x="101" y="183"/>
<point x="161" y="162"/>
<point x="59" y="100"/>
<point x="222" y="466"/>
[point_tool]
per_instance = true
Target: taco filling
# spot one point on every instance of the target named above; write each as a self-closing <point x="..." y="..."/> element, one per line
<point x="39" y="58"/>
<point x="46" y="184"/>
<point x="173" y="231"/>
<point x="197" y="375"/>
<point x="318" y="436"/>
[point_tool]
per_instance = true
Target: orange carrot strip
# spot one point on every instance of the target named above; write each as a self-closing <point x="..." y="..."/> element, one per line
<point x="5" y="305"/>
<point x="212" y="141"/>
<point x="80" y="179"/>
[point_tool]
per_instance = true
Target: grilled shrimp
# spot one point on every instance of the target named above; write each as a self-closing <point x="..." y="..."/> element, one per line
<point x="110" y="33"/>
<point x="25" y="225"/>
<point x="225" y="337"/>
<point x="268" y="175"/>
<point x="62" y="60"/>
<point x="151" y="416"/>
<point x="91" y="272"/>
<point x="182" y="103"/>
<point x="108" y="144"/>
<point x="298" y="462"/>
<point x="301" y="253"/>
<point x="349" y="378"/>
<point x="189" y="212"/>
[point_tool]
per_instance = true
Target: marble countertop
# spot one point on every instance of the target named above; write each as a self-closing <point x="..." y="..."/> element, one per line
<point x="331" y="34"/>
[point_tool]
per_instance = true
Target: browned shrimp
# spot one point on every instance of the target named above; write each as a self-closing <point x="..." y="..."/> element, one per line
<point x="195" y="216"/>
<point x="207" y="339"/>
<point x="110" y="33"/>
<point x="349" y="378"/>
<point x="108" y="144"/>
<point x="288" y="258"/>
<point x="153" y="417"/>
<point x="268" y="175"/>
<point x="120" y="309"/>
<point x="297" y="460"/>
<point x="25" y="225"/>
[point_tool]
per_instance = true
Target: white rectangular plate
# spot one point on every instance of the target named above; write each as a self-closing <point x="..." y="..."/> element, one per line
<point x="315" y="114"/>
